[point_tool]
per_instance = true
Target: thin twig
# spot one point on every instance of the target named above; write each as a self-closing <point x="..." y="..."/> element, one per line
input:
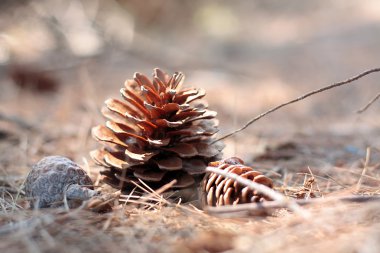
<point x="277" y="197"/>
<point x="368" y="104"/>
<point x="270" y="206"/>
<point x="350" y="80"/>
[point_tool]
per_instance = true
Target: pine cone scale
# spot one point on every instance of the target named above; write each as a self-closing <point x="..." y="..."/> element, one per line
<point x="105" y="134"/>
<point x="229" y="182"/>
<point x="149" y="175"/>
<point x="227" y="197"/>
<point x="183" y="150"/>
<point x="167" y="123"/>
<point x="172" y="107"/>
<point x="143" y="80"/>
<point x="117" y="106"/>
<point x="140" y="156"/>
<point x="145" y="83"/>
<point x="121" y="108"/>
<point x="185" y="115"/>
<point x="169" y="163"/>
<point x="115" y="159"/>
<point x="155" y="111"/>
<point x="162" y="77"/>
<point x="188" y="96"/>
<point x="152" y="96"/>
<point x="183" y="180"/>
<point x="160" y="85"/>
<point x="261" y="179"/>
<point x="133" y="97"/>
<point x="111" y="160"/>
<point x="210" y="182"/>
<point x="118" y="127"/>
<point x="114" y="116"/>
<point x="98" y="156"/>
<point x="194" y="166"/>
<point x="134" y="100"/>
<point x="204" y="149"/>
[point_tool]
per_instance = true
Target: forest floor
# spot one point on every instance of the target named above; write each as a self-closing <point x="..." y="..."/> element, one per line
<point x="341" y="156"/>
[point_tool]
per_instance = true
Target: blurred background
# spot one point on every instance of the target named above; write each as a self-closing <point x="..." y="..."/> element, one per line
<point x="59" y="60"/>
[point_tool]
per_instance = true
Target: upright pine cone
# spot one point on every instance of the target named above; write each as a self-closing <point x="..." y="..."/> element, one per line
<point x="218" y="190"/>
<point x="157" y="133"/>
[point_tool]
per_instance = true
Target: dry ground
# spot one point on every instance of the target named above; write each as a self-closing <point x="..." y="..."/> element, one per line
<point x="285" y="51"/>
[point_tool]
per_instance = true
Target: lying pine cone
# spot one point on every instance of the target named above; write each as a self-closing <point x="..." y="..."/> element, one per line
<point x="218" y="190"/>
<point x="157" y="133"/>
<point x="55" y="177"/>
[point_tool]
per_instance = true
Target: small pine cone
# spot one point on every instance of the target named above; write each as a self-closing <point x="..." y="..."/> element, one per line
<point x="159" y="132"/>
<point x="219" y="191"/>
<point x="55" y="177"/>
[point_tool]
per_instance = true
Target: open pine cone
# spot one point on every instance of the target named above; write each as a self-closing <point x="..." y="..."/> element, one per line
<point x="157" y="133"/>
<point x="218" y="190"/>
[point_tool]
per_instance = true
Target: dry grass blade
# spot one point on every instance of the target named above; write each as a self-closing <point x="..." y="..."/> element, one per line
<point x="152" y="195"/>
<point x="334" y="85"/>
<point x="278" y="198"/>
<point x="127" y="198"/>
<point x="366" y="163"/>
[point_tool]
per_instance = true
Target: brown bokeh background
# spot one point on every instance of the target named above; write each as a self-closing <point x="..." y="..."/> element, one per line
<point x="248" y="55"/>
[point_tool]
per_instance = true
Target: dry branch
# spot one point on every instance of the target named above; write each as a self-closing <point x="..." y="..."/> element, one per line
<point x="270" y="206"/>
<point x="18" y="121"/>
<point x="331" y="86"/>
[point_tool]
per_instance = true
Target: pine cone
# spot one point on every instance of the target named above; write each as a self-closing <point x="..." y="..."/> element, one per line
<point x="219" y="191"/>
<point x="157" y="134"/>
<point x="55" y="177"/>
